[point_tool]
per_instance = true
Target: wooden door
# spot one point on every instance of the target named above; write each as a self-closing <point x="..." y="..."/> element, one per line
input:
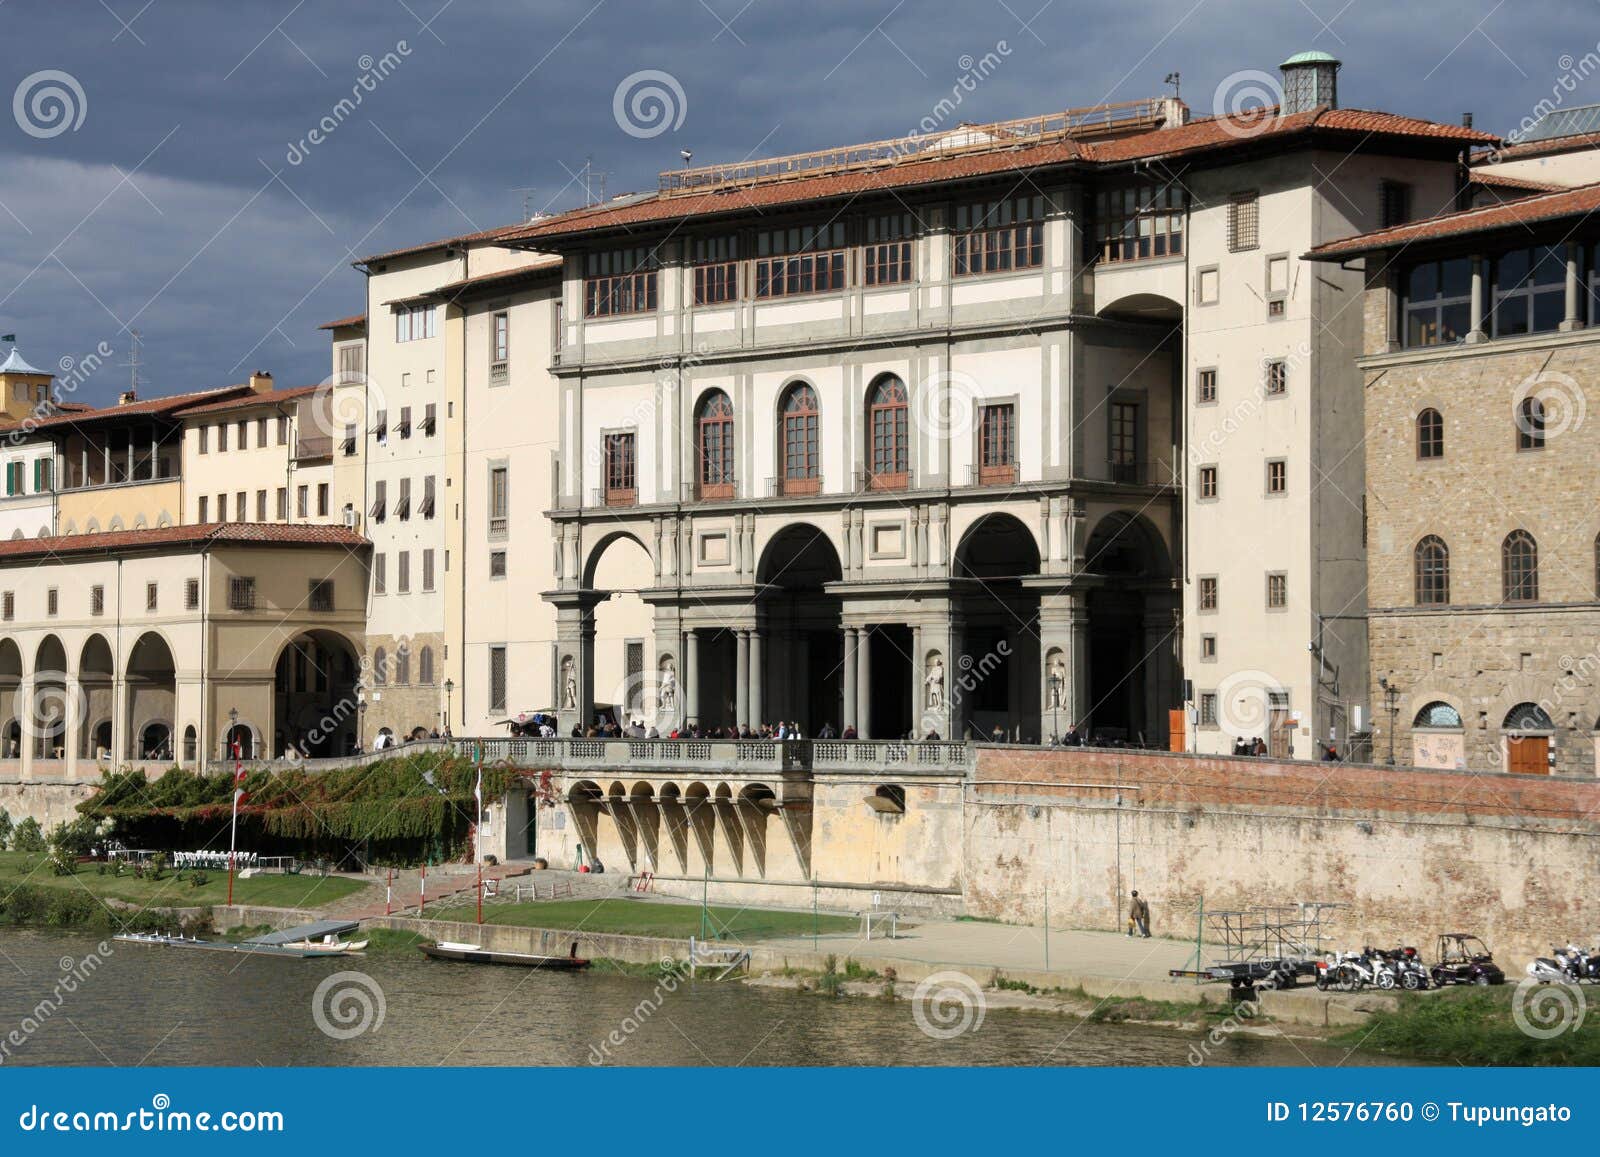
<point x="1528" y="755"/>
<point x="1177" y="721"/>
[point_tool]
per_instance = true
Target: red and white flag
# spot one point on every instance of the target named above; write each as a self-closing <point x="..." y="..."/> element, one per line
<point x="238" y="778"/>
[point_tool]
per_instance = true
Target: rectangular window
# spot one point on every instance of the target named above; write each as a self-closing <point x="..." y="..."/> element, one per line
<point x="403" y="426"/>
<point x="499" y="499"/>
<point x="205" y="439"/>
<point x="241" y="594"/>
<point x="500" y="340"/>
<point x="244" y="433"/>
<point x="8" y="606"/>
<point x="1277" y="376"/>
<point x="322" y="500"/>
<point x="1277" y="591"/>
<point x="621" y="470"/>
<point x="497" y="678"/>
<point x="352" y="362"/>
<point x="1207" y="596"/>
<point x="202" y="514"/>
<point x="996" y="236"/>
<point x="302" y="503"/>
<point x="1124" y="442"/>
<point x="151" y="596"/>
<point x="415" y="323"/>
<point x="97" y="600"/>
<point x="191" y="594"/>
<point x="1138" y="221"/>
<point x="497" y="564"/>
<point x="1529" y="291"/>
<point x="380" y="428"/>
<point x="1244" y="222"/>
<point x="1208" y="482"/>
<point x="44" y="475"/>
<point x="1277" y="476"/>
<point x="800" y="260"/>
<point x="320" y="594"/>
<point x="1208" y="646"/>
<point x="52" y="602"/>
<point x="222" y="508"/>
<point x="380" y="574"/>
<point x="886" y="256"/>
<point x="1208" y="286"/>
<point x="402" y="572"/>
<point x="1394" y="203"/>
<point x="15" y="478"/>
<point x="241" y="506"/>
<point x="261" y="433"/>
<point x="1208" y="709"/>
<point x="402" y="506"/>
<point x="261" y="505"/>
<point x="283" y="504"/>
<point x="380" y="501"/>
<point x="716" y="270"/>
<point x="619" y="281"/>
<point x="1436" y="302"/>
<point x="1205" y="390"/>
<point x="426" y="507"/>
<point x="429" y="419"/>
<point x="348" y="446"/>
<point x="997" y="444"/>
<point x="427" y="570"/>
<point x="283" y="429"/>
<point x="222" y="437"/>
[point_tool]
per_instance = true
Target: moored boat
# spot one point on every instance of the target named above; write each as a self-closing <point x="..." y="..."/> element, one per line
<point x="477" y="954"/>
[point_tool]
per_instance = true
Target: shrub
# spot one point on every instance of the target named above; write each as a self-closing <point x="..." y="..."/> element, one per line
<point x="5" y="829"/>
<point x="28" y="837"/>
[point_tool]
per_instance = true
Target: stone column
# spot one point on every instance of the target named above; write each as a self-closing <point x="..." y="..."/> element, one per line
<point x="575" y="645"/>
<point x="1479" y="331"/>
<point x="741" y="680"/>
<point x="119" y="720"/>
<point x="754" y="694"/>
<point x="71" y="721"/>
<point x="850" y="639"/>
<point x="918" y="673"/>
<point x="1078" y="663"/>
<point x="1574" y="317"/>
<point x="864" y="684"/>
<point x="691" y="677"/>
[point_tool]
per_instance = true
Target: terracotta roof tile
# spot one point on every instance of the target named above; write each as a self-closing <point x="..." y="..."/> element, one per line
<point x="343" y="322"/>
<point x="1577" y="202"/>
<point x="217" y="533"/>
<point x="1198" y="136"/>
<point x="479" y="237"/>
<point x="149" y="407"/>
<point x="254" y="399"/>
<point x="545" y="264"/>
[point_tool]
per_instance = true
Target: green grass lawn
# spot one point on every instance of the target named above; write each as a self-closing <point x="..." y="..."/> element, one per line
<point x="1476" y="1026"/>
<point x="651" y="918"/>
<point x="169" y="892"/>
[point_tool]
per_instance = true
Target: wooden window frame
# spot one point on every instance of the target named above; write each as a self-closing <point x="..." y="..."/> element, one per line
<point x="1430" y="435"/>
<point x="715" y="446"/>
<point x="1139" y="222"/>
<point x="621" y="467"/>
<point x="997" y="237"/>
<point x="997" y="444"/>
<point x="1430" y="572"/>
<point x="1519" y="568"/>
<point x="800" y="428"/>
<point x="888" y="434"/>
<point x="1429" y="312"/>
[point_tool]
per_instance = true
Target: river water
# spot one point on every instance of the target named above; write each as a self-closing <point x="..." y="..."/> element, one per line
<point x="160" y="1006"/>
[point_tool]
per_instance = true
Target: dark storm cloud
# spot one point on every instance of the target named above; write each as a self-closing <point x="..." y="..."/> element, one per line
<point x="192" y="202"/>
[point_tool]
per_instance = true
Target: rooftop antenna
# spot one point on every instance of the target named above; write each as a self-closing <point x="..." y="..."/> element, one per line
<point x="1175" y="79"/>
<point x="527" y="192"/>
<point x="590" y="176"/>
<point x="132" y="364"/>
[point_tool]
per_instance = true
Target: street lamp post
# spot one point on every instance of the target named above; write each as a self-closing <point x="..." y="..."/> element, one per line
<point x="1391" y="700"/>
<point x="449" y="693"/>
<point x="238" y="780"/>
<point x="361" y="722"/>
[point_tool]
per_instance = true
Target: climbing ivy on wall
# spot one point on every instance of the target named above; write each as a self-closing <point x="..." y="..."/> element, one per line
<point x="388" y="807"/>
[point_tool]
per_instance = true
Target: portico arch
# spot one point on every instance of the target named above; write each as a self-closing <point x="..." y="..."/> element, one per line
<point x="97" y="676"/>
<point x="44" y="716"/>
<point x="152" y="696"/>
<point x="994" y="689"/>
<point x="11" y="709"/>
<point x="315" y="680"/>
<point x="610" y="653"/>
<point x="1132" y="631"/>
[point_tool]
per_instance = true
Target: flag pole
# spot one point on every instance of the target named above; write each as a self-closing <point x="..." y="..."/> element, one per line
<point x="477" y="835"/>
<point x="233" y="827"/>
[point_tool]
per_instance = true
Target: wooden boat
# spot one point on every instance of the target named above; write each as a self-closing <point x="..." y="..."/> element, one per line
<point x="477" y="954"/>
<point x="328" y="946"/>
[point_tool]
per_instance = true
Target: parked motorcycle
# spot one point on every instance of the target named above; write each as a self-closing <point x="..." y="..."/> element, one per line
<point x="1405" y="963"/>
<point x="1551" y="969"/>
<point x="1581" y="964"/>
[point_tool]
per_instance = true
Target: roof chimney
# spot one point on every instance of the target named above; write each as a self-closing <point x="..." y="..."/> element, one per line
<point x="261" y="382"/>
<point x="1310" y="79"/>
<point x="1466" y="120"/>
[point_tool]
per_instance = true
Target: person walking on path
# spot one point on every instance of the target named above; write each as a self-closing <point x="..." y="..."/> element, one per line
<point x="1139" y="916"/>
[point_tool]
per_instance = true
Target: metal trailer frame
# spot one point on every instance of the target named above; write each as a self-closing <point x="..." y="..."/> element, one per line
<point x="1273" y="945"/>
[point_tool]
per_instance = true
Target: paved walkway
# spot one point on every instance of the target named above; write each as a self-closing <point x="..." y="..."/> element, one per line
<point x="450" y="881"/>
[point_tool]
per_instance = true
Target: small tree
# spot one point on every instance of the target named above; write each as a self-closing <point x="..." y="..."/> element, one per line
<point x="5" y="829"/>
<point x="28" y="838"/>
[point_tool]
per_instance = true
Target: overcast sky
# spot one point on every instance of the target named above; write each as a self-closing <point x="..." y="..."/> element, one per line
<point x="175" y="189"/>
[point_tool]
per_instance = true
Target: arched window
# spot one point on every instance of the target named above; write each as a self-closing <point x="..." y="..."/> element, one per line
<point x="380" y="667"/>
<point x="714" y="433"/>
<point x="886" y="410"/>
<point x="1430" y="434"/>
<point x="425" y="667"/>
<point x="1530" y="424"/>
<point x="1528" y="717"/>
<point x="801" y="474"/>
<point x="1432" y="571"/>
<point x="402" y="666"/>
<point x="1519" y="565"/>
<point x="1437" y="714"/>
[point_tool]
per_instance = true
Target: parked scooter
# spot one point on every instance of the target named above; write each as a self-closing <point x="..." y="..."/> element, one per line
<point x="1406" y="963"/>
<point x="1551" y="969"/>
<point x="1580" y="963"/>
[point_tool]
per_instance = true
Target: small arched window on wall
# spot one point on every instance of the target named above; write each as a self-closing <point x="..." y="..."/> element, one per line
<point x="380" y="667"/>
<point x="1432" y="572"/>
<point x="887" y="427"/>
<point x="714" y="445"/>
<point x="425" y="667"/>
<point x="1430" y="434"/>
<point x="800" y="461"/>
<point x="1519" y="560"/>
